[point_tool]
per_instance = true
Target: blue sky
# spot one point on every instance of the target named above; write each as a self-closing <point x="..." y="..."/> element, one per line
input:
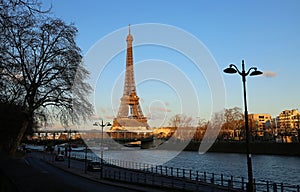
<point x="264" y="33"/>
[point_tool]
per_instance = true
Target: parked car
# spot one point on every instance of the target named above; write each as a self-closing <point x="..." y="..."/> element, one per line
<point x="27" y="150"/>
<point x="94" y="166"/>
<point x="59" y="157"/>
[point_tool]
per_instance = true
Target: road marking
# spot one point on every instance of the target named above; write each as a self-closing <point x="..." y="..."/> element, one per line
<point x="27" y="162"/>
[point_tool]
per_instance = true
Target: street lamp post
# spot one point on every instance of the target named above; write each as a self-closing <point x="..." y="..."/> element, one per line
<point x="85" y="158"/>
<point x="233" y="69"/>
<point x="101" y="144"/>
<point x="69" y="148"/>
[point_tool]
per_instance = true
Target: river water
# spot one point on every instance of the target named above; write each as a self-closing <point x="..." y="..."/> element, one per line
<point x="274" y="168"/>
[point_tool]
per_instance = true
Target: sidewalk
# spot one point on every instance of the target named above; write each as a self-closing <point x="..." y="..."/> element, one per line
<point x="137" y="179"/>
<point x="95" y="176"/>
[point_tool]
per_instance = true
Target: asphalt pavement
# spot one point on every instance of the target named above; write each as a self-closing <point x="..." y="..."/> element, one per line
<point x="29" y="173"/>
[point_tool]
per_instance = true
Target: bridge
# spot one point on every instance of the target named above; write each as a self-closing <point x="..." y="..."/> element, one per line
<point x="137" y="137"/>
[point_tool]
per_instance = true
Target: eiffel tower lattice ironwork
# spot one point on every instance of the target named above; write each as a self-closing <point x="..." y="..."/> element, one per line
<point x="130" y="116"/>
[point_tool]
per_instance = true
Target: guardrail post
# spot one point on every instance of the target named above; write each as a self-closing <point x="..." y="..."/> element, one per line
<point x="268" y="186"/>
<point x="172" y="172"/>
<point x="274" y="187"/>
<point x="204" y="176"/>
<point x="243" y="183"/>
<point x="222" y="180"/>
<point x="183" y="173"/>
<point x="190" y="174"/>
<point x="166" y="170"/>
<point x="177" y="172"/>
<point x="229" y="184"/>
<point x="281" y="186"/>
<point x="212" y="180"/>
<point x="298" y="188"/>
<point x="197" y="176"/>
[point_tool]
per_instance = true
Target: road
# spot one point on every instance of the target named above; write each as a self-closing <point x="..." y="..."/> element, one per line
<point x="33" y="174"/>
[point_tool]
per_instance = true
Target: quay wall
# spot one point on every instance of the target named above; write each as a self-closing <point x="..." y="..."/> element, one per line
<point x="290" y="149"/>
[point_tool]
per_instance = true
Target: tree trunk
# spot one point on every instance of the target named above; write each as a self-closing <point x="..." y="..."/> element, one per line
<point x="16" y="142"/>
<point x="13" y="124"/>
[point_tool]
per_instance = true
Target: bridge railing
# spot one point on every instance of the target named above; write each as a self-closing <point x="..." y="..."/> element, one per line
<point x="190" y="175"/>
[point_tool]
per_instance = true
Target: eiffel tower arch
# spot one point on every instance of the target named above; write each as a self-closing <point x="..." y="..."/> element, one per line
<point x="130" y="116"/>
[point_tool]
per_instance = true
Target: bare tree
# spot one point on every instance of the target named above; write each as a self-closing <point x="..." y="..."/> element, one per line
<point x="233" y="118"/>
<point x="183" y="126"/>
<point x="201" y="129"/>
<point x="180" y="120"/>
<point x="40" y="65"/>
<point x="233" y="123"/>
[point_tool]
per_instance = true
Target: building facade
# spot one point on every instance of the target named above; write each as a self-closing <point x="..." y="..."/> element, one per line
<point x="260" y="124"/>
<point x="289" y="121"/>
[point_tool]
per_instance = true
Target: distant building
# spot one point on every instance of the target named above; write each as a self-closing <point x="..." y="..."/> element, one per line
<point x="289" y="121"/>
<point x="260" y="124"/>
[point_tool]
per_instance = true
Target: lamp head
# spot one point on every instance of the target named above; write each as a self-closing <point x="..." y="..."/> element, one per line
<point x="109" y="124"/>
<point x="95" y="124"/>
<point x="230" y="70"/>
<point x="256" y="72"/>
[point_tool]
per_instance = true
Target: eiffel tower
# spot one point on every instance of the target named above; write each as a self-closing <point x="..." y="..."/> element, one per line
<point x="130" y="116"/>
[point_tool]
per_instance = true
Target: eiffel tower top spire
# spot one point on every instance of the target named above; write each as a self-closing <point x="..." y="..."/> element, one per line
<point x="129" y="38"/>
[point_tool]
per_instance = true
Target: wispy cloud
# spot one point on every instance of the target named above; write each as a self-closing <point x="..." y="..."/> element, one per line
<point x="109" y="117"/>
<point x="159" y="109"/>
<point x="155" y="116"/>
<point x="103" y="110"/>
<point x="269" y="74"/>
<point x="95" y="117"/>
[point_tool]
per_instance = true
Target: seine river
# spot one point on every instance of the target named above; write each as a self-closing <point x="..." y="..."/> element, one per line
<point x="274" y="168"/>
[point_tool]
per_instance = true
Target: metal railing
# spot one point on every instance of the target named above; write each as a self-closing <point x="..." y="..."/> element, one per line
<point x="152" y="175"/>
